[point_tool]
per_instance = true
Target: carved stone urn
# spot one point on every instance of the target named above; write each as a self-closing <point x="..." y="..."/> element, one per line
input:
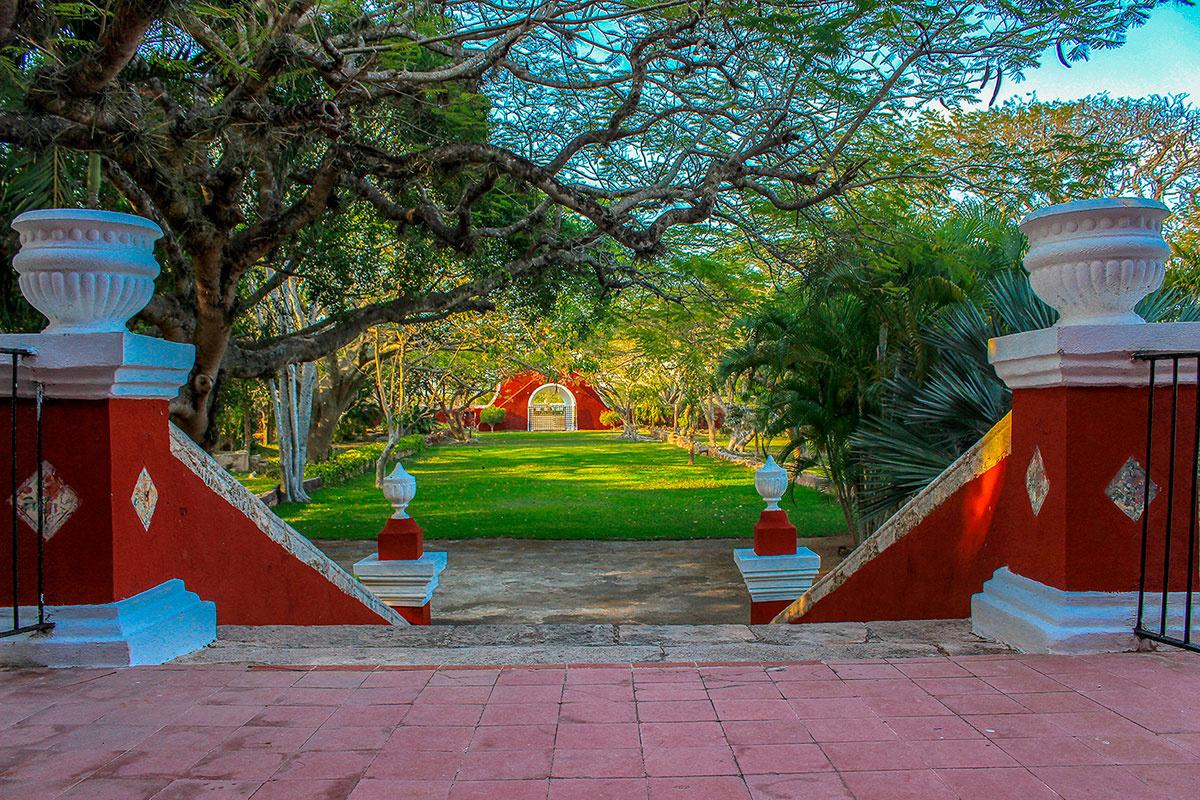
<point x="86" y="271"/>
<point x="400" y="488"/>
<point x="1094" y="260"/>
<point x="771" y="481"/>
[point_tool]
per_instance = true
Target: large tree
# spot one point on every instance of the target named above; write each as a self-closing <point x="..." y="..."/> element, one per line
<point x="524" y="139"/>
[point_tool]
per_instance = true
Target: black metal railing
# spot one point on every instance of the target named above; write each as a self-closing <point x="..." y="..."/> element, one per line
<point x="1160" y="541"/>
<point x="21" y="511"/>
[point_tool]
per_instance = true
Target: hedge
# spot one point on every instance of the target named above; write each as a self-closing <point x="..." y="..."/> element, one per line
<point x="351" y="463"/>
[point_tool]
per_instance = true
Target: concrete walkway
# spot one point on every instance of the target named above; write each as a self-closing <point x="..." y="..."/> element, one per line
<point x="1001" y="727"/>
<point x="588" y="644"/>
<point x="547" y="582"/>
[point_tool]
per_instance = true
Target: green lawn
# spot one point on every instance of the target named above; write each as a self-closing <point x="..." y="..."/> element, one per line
<point x="587" y="485"/>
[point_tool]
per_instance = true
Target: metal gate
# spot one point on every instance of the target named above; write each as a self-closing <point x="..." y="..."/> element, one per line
<point x="27" y="503"/>
<point x="1164" y="615"/>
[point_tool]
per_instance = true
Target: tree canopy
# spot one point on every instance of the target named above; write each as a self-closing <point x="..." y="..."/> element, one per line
<point x="476" y="147"/>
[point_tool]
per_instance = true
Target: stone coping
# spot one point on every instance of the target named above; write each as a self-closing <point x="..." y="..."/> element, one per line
<point x="989" y="451"/>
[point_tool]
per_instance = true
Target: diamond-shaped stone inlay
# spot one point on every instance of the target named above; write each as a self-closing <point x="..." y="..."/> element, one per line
<point x="60" y="500"/>
<point x="1036" y="483"/>
<point x="1128" y="488"/>
<point x="145" y="498"/>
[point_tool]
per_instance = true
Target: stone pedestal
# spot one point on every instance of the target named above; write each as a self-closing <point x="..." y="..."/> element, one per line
<point x="775" y="581"/>
<point x="1079" y="409"/>
<point x="407" y="586"/>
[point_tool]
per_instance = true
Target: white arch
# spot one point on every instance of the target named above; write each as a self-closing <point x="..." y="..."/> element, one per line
<point x="568" y="407"/>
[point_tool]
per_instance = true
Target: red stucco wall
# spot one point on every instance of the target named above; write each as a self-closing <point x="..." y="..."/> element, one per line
<point x="103" y="553"/>
<point x="1080" y="541"/>
<point x="513" y="396"/>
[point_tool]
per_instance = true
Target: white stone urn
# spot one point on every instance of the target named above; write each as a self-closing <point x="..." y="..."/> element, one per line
<point x="771" y="481"/>
<point x="86" y="271"/>
<point x="1094" y="260"/>
<point x="400" y="488"/>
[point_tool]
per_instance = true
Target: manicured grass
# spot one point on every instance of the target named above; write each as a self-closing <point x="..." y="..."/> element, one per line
<point x="587" y="485"/>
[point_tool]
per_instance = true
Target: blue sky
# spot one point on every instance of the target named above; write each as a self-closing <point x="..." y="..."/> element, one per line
<point x="1161" y="57"/>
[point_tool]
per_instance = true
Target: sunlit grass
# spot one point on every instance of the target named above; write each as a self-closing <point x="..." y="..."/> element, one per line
<point x="587" y="485"/>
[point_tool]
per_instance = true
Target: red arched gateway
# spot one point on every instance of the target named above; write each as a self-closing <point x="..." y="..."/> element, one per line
<point x="534" y="403"/>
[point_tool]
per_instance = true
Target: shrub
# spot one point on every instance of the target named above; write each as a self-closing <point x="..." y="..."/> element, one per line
<point x="611" y="418"/>
<point x="492" y="416"/>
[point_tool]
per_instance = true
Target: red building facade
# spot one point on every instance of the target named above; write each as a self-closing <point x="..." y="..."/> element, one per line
<point x="533" y="402"/>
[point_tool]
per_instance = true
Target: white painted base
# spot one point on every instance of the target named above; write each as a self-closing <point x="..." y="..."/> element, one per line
<point x="95" y="366"/>
<point x="1035" y="618"/>
<point x="1091" y="355"/>
<point x="153" y="627"/>
<point x="777" y="577"/>
<point x="401" y="583"/>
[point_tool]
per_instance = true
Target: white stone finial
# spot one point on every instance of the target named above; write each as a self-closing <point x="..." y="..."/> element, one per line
<point x="1094" y="260"/>
<point x="87" y="271"/>
<point x="771" y="481"/>
<point x="400" y="488"/>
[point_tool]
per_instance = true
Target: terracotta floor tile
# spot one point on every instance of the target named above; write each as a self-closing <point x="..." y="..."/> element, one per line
<point x="929" y="728"/>
<point x="964" y="753"/>
<point x="756" y="690"/>
<point x="299" y="716"/>
<point x="305" y="790"/>
<point x="597" y="735"/>
<point x="534" y="693"/>
<point x="865" y="670"/>
<point x="1016" y="726"/>
<point x="992" y="783"/>
<point x="598" y="711"/>
<point x="1173" y="780"/>
<point x="570" y="763"/>
<point x="322" y="765"/>
<point x="464" y="677"/>
<point x="906" y="706"/>
<point x="680" y="734"/>
<point x="431" y="737"/>
<point x="948" y="687"/>
<point x="448" y="695"/>
<point x="199" y="789"/>
<point x="671" y="691"/>
<point x="1022" y="684"/>
<point x="1052" y="751"/>
<point x="500" y="790"/>
<point x="416" y="765"/>
<point x="237" y="765"/>
<point x="598" y="692"/>
<point x="514" y="737"/>
<point x="789" y="731"/>
<point x="115" y="789"/>
<point x="849" y="730"/>
<point x="382" y="789"/>
<point x="803" y="690"/>
<point x="763" y="710"/>
<point x="973" y="704"/>
<point x="1142" y="749"/>
<point x="859" y="756"/>
<point x="279" y="739"/>
<point x="691" y="761"/>
<point x="443" y="715"/>
<point x="347" y="738"/>
<point x="598" y="788"/>
<point x="780" y="759"/>
<point x="676" y="711"/>
<point x="488" y="765"/>
<point x="532" y="677"/>
<point x="296" y="696"/>
<point x="806" y="786"/>
<point x="709" y="788"/>
<point x="332" y="679"/>
<point x="149" y="763"/>
<point x="832" y="708"/>
<point x="588" y="675"/>
<point x="219" y="715"/>
<point x="518" y="714"/>
<point x="940" y="668"/>
<point x="1056" y="702"/>
<point x="912" y="784"/>
<point x="1097" y="783"/>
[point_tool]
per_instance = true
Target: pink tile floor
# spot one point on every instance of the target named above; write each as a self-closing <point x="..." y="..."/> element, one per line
<point x="989" y="727"/>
